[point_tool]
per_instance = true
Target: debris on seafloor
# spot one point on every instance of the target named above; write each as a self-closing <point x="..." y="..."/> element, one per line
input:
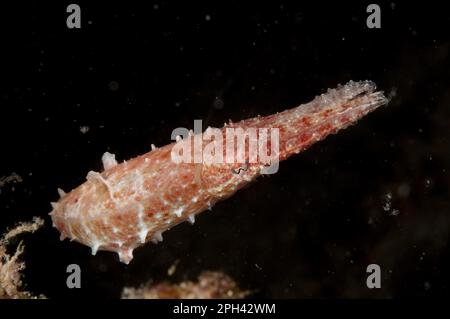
<point x="12" y="178"/>
<point x="11" y="267"/>
<point x="136" y="201"/>
<point x="209" y="285"/>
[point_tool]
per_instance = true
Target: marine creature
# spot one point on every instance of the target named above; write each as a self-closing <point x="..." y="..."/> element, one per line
<point x="136" y="201"/>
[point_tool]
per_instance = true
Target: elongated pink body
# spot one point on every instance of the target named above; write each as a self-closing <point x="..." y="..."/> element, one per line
<point x="134" y="202"/>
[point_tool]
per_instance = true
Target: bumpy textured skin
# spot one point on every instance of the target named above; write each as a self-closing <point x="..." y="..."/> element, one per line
<point x="134" y="202"/>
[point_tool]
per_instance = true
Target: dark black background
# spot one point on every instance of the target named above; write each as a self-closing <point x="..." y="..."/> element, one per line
<point x="136" y="71"/>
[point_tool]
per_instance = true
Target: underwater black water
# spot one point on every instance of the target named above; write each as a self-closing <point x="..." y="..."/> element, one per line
<point x="377" y="192"/>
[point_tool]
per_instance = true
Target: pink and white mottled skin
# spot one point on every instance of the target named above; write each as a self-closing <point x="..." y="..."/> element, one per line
<point x="134" y="202"/>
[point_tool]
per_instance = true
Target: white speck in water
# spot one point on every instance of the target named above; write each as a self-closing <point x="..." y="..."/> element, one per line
<point x="218" y="103"/>
<point x="392" y="93"/>
<point x="84" y="129"/>
<point x="387" y="205"/>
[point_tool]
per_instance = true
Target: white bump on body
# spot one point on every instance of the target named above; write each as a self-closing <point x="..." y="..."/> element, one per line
<point x="108" y="160"/>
